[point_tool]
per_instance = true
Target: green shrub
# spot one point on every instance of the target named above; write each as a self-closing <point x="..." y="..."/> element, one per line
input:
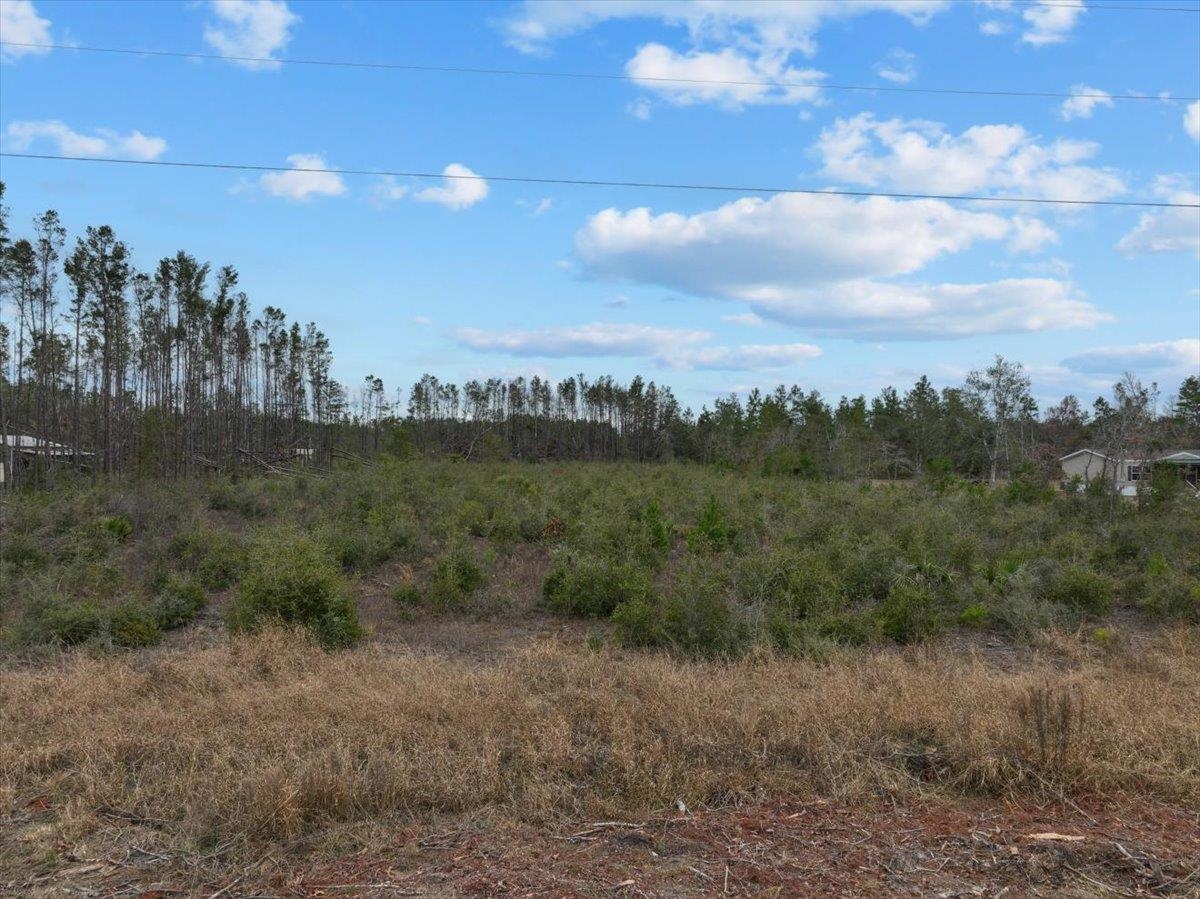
<point x="1080" y="588"/>
<point x="133" y="626"/>
<point x="69" y="623"/>
<point x="291" y="579"/>
<point x="701" y="620"/>
<point x="640" y="621"/>
<point x="698" y="619"/>
<point x="908" y="613"/>
<point x="180" y="601"/>
<point x="590" y="587"/>
<point x="215" y="558"/>
<point x="799" y="583"/>
<point x="119" y="527"/>
<point x="457" y="576"/>
<point x="517" y="485"/>
<point x="407" y="595"/>
<point x="712" y="532"/>
<point x="974" y="615"/>
<point x="1169" y="596"/>
<point x="243" y="497"/>
<point x="847" y="628"/>
<point x="867" y="569"/>
<point x="22" y="552"/>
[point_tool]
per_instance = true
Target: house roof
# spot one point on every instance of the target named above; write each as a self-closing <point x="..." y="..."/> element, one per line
<point x="1181" y="456"/>
<point x="29" y="443"/>
<point x="1081" y="452"/>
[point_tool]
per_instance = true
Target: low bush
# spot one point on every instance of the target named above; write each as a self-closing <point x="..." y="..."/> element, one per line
<point x="698" y="619"/>
<point x="119" y="527"/>
<point x="457" y="577"/>
<point x="908" y="613"/>
<point x="974" y="615"/>
<point x="798" y="583"/>
<point x="68" y="623"/>
<point x="215" y="558"/>
<point x="589" y="587"/>
<point x="132" y="626"/>
<point x="713" y="531"/>
<point x="179" y="602"/>
<point x="291" y="579"/>
<point x="1077" y="587"/>
<point x="407" y="595"/>
<point x="21" y="551"/>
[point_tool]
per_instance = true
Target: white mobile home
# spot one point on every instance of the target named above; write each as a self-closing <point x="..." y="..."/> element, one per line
<point x="1125" y="474"/>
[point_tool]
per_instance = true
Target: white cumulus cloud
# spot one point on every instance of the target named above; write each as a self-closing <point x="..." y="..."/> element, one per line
<point x="863" y="308"/>
<point x="103" y="142"/>
<point x="1083" y="102"/>
<point x="741" y="42"/>
<point x="301" y="183"/>
<point x="752" y="244"/>
<point x="1051" y="22"/>
<point x="727" y="77"/>
<point x="250" y="28"/>
<point x="786" y="26"/>
<point x="21" y="24"/>
<point x="462" y="189"/>
<point x="595" y="339"/>
<point x="823" y="263"/>
<point x="1042" y="23"/>
<point x="743" y="318"/>
<point x="914" y="155"/>
<point x="1031" y="235"/>
<point x="680" y="348"/>
<point x="746" y="357"/>
<point x="1160" y="358"/>
<point x="1191" y="120"/>
<point x="1166" y="230"/>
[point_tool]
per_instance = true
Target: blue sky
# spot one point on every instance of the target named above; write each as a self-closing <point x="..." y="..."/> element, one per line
<point x="708" y="292"/>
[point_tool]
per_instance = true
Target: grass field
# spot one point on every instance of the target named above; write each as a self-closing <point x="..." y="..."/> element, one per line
<point x="593" y="679"/>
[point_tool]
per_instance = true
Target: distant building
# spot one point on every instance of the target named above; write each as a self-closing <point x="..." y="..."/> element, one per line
<point x="19" y="451"/>
<point x="1125" y="474"/>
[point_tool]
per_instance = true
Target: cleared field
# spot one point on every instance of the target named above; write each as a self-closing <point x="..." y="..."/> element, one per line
<point x="596" y="680"/>
<point x="266" y="745"/>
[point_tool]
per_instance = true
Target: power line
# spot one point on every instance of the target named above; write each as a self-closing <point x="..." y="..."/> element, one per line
<point x="595" y="76"/>
<point x="594" y="182"/>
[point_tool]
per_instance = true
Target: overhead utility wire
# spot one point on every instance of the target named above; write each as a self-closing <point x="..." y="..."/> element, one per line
<point x="593" y="182"/>
<point x="596" y="76"/>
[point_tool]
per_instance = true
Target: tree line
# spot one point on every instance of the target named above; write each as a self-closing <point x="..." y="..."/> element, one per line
<point x="169" y="372"/>
<point x="988" y="428"/>
<point x="162" y="372"/>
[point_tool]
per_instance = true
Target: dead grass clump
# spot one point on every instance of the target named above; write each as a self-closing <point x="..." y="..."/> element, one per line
<point x="270" y="737"/>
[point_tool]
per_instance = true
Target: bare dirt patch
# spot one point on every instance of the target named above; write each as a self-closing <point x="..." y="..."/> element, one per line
<point x="778" y="848"/>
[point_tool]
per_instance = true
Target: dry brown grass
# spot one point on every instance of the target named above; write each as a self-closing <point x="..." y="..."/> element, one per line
<point x="267" y="738"/>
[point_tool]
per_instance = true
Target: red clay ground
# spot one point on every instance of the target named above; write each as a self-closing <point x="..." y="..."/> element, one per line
<point x="785" y="848"/>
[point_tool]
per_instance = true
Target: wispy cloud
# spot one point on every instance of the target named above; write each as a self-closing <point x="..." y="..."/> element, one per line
<point x="1161" y="358"/>
<point x="102" y="142"/>
<point x="1084" y="102"/>
<point x="679" y="348"/>
<point x="898" y="67"/>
